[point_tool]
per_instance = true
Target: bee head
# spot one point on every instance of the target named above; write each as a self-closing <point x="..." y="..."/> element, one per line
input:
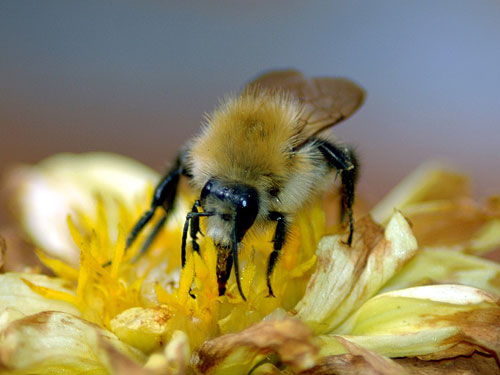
<point x="235" y="204"/>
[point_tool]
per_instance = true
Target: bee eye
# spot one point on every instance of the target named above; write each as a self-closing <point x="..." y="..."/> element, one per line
<point x="247" y="208"/>
<point x="248" y="202"/>
<point x="207" y="189"/>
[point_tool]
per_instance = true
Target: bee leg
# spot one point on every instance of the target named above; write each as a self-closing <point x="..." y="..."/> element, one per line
<point x="349" y="178"/>
<point x="278" y="241"/>
<point x="346" y="162"/>
<point x="145" y="246"/>
<point x="194" y="217"/>
<point x="195" y="227"/>
<point x="164" y="196"/>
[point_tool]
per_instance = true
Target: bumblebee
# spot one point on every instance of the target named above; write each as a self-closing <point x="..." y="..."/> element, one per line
<point x="260" y="156"/>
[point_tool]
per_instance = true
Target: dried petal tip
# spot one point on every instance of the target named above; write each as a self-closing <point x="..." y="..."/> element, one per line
<point x="358" y="360"/>
<point x="53" y="342"/>
<point x="430" y="181"/>
<point x="238" y="353"/>
<point x="3" y="248"/>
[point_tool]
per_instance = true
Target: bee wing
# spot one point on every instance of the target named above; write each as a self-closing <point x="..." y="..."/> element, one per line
<point x="326" y="100"/>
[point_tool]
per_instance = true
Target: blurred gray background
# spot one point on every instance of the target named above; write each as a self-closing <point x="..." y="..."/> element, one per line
<point x="135" y="77"/>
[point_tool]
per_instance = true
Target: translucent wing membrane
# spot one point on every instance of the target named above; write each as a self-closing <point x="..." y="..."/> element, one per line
<point x="326" y="100"/>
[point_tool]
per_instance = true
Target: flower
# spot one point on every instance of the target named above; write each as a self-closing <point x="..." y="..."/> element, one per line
<point x="411" y="287"/>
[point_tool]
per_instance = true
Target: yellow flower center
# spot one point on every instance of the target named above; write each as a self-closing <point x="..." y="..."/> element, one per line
<point x="109" y="286"/>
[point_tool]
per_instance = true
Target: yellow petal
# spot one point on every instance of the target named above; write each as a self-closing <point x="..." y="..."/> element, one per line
<point x="60" y="268"/>
<point x="51" y="293"/>
<point x="16" y="294"/>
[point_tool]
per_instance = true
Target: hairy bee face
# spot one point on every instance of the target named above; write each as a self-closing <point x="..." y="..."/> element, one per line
<point x="234" y="207"/>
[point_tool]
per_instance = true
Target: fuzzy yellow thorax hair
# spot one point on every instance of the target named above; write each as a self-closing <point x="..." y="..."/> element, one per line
<point x="248" y="138"/>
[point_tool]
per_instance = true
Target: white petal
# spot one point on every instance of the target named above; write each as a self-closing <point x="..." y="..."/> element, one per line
<point x="455" y="294"/>
<point x="63" y="183"/>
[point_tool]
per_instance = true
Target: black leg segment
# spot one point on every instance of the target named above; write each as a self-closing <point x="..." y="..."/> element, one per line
<point x="344" y="160"/>
<point x="164" y="196"/>
<point x="278" y="241"/>
<point x="195" y="227"/>
<point x="194" y="218"/>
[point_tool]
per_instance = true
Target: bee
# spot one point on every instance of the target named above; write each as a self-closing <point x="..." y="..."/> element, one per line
<point x="259" y="158"/>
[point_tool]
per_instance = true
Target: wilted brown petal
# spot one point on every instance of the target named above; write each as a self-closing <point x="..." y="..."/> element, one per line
<point x="460" y="349"/>
<point x="3" y="247"/>
<point x="480" y="327"/>
<point x="431" y="181"/>
<point x="346" y="364"/>
<point x="476" y="364"/>
<point x="357" y="361"/>
<point x="337" y="270"/>
<point x="52" y="342"/>
<point x="363" y="362"/>
<point x="237" y="353"/>
<point x="18" y="255"/>
<point x="448" y="223"/>
<point x="123" y="365"/>
<point x="438" y="204"/>
<point x="423" y="320"/>
<point x="346" y="277"/>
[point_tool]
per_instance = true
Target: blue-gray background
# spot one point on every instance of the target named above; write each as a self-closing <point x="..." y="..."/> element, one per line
<point x="135" y="77"/>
